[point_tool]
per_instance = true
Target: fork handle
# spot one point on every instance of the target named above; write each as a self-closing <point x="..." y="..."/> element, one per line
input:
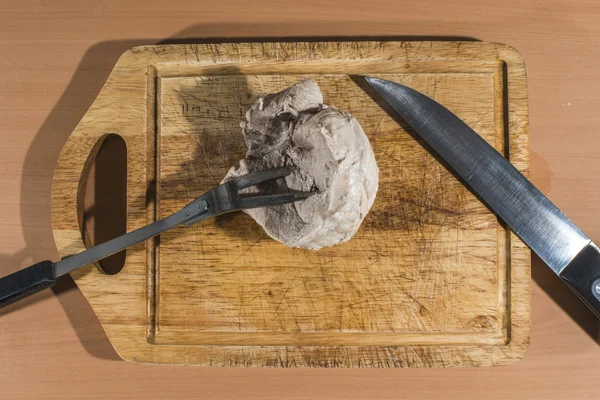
<point x="26" y="282"/>
<point x="43" y="275"/>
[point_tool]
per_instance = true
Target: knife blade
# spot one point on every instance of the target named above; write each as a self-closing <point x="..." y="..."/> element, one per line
<point x="531" y="215"/>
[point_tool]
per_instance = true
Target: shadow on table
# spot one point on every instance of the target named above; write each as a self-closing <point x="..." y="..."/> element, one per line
<point x="86" y="83"/>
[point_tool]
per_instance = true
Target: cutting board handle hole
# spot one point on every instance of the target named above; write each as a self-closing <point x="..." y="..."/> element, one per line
<point x="104" y="199"/>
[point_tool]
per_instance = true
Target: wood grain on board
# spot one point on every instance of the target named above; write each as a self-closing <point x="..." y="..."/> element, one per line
<point x="431" y="278"/>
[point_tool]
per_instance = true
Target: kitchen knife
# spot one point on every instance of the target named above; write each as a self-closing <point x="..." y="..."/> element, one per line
<point x="538" y="222"/>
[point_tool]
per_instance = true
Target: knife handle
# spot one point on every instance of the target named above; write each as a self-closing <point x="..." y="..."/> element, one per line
<point x="582" y="276"/>
<point x="26" y="282"/>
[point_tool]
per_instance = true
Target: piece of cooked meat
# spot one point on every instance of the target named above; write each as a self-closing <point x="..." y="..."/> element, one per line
<point x="331" y="154"/>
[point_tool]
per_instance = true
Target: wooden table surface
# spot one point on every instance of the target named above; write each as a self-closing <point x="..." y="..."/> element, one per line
<point x="54" y="59"/>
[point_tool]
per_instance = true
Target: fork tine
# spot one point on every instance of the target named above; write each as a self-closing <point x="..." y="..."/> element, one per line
<point x="258" y="177"/>
<point x="273" y="199"/>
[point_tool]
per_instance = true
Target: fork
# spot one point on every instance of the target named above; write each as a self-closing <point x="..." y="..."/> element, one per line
<point x="224" y="198"/>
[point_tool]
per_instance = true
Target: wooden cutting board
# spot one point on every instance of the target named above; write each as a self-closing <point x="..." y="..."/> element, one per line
<point x="432" y="278"/>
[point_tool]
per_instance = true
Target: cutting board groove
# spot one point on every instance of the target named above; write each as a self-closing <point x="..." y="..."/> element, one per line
<point x="432" y="278"/>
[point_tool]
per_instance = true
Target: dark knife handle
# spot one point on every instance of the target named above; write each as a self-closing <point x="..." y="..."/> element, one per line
<point x="582" y="276"/>
<point x="26" y="282"/>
